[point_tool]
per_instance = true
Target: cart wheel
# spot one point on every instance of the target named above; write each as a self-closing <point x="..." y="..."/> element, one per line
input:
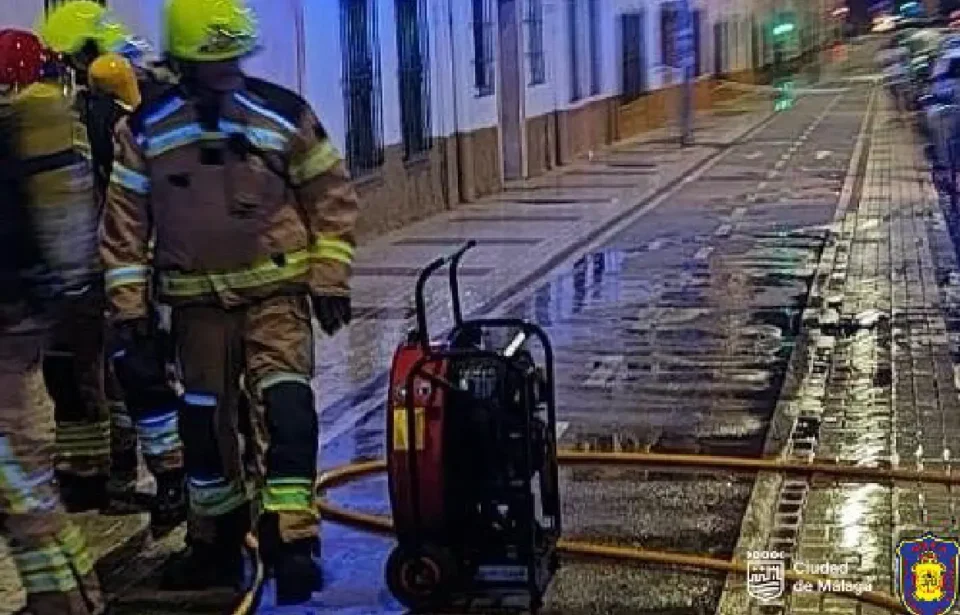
<point x="419" y="577"/>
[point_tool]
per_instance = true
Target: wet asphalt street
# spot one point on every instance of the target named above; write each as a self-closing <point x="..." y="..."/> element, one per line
<point x="672" y="335"/>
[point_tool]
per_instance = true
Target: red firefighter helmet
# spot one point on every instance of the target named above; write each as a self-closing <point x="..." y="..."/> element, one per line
<point x="22" y="58"/>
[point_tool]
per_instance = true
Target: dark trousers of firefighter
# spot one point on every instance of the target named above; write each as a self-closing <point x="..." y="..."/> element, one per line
<point x="50" y="554"/>
<point x="97" y="433"/>
<point x="269" y="348"/>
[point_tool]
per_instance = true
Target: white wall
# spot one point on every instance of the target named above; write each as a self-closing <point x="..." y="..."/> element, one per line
<point x="445" y="101"/>
<point x="277" y="59"/>
<point x="324" y="66"/>
<point x="474" y="111"/>
<point x="546" y="97"/>
<point x="142" y="17"/>
<point x="20" y="14"/>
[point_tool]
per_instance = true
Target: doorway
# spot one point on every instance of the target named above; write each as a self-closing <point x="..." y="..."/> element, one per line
<point x="511" y="89"/>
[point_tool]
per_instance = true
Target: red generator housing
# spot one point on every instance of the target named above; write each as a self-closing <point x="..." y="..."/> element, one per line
<point x="426" y="422"/>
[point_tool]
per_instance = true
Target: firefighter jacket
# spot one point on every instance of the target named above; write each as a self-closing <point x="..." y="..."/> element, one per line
<point x="53" y="210"/>
<point x="243" y="204"/>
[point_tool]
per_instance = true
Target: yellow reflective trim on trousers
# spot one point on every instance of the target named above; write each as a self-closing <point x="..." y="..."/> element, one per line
<point x="49" y="581"/>
<point x="73" y="543"/>
<point x="55" y="568"/>
<point x="44" y="558"/>
<point x="333" y="249"/>
<point x="323" y="157"/>
<point x="191" y="285"/>
<point x="289" y="497"/>
<point x="84" y="430"/>
<point x="83" y="452"/>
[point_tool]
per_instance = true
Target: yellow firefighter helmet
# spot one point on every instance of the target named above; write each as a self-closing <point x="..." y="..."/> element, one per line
<point x="209" y="30"/>
<point x="72" y="25"/>
<point x="113" y="73"/>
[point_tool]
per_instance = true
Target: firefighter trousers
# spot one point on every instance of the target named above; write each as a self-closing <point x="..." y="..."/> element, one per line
<point x="73" y="369"/>
<point x="266" y="348"/>
<point x="49" y="551"/>
<point x="97" y="433"/>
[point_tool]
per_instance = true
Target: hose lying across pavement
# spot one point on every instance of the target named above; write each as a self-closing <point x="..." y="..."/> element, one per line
<point x="346" y="474"/>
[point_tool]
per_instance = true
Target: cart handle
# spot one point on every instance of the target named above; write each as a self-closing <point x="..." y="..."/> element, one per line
<point x="454" y="261"/>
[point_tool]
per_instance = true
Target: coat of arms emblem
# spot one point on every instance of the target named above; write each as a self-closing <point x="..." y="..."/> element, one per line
<point x="926" y="573"/>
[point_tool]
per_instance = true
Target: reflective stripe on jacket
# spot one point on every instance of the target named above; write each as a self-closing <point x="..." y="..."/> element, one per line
<point x="253" y="202"/>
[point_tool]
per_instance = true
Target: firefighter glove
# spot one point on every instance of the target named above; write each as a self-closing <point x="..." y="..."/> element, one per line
<point x="140" y="365"/>
<point x="333" y="313"/>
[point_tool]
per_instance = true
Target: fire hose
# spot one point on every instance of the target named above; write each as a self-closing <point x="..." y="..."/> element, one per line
<point x="346" y="474"/>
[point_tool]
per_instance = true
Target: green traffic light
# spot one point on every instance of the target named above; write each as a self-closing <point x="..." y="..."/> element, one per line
<point x="784" y="28"/>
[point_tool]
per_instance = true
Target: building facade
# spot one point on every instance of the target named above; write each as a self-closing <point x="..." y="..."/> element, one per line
<point x="439" y="102"/>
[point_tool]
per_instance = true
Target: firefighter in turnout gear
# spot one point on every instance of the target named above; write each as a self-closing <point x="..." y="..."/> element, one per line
<point x="253" y="215"/>
<point x="48" y="242"/>
<point x="101" y="417"/>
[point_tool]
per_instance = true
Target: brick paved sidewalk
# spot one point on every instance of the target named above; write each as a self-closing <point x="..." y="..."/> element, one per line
<point x="885" y="395"/>
<point x="523" y="232"/>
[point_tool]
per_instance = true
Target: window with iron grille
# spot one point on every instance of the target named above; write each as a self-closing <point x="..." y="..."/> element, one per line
<point x="593" y="17"/>
<point x="718" y="47"/>
<point x="697" y="42"/>
<point x="575" y="92"/>
<point x="483" y="46"/>
<point x="634" y="57"/>
<point x="668" y="28"/>
<point x="361" y="90"/>
<point x="413" y="53"/>
<point x="535" y="58"/>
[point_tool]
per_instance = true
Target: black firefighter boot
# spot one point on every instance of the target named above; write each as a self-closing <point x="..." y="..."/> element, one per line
<point x="292" y="564"/>
<point x="169" y="507"/>
<point x="208" y="565"/>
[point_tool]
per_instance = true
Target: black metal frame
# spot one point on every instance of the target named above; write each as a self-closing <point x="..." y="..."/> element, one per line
<point x="413" y="54"/>
<point x="536" y="61"/>
<point x="362" y="90"/>
<point x="431" y="354"/>
<point x="484" y="69"/>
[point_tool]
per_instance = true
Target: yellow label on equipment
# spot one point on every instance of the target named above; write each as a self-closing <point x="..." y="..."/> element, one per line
<point x="400" y="440"/>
